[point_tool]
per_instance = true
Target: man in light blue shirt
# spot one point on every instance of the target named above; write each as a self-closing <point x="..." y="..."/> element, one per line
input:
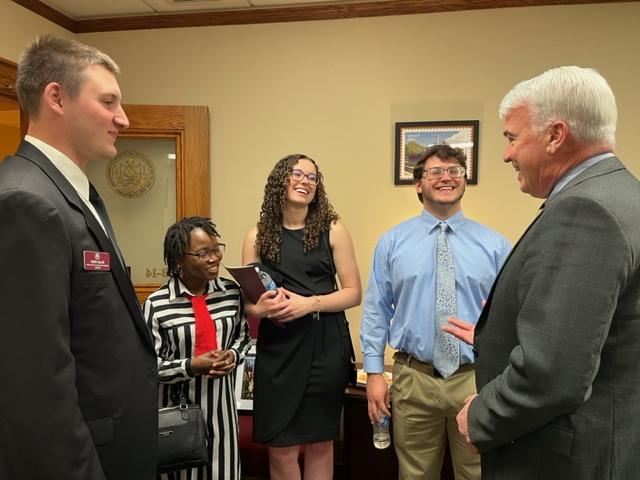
<point x="400" y="308"/>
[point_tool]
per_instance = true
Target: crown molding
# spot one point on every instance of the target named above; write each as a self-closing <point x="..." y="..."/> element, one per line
<point x="284" y="14"/>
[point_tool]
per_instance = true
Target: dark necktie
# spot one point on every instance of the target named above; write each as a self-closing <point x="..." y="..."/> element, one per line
<point x="98" y="204"/>
<point x="206" y="339"/>
<point x="446" y="355"/>
<point x="541" y="209"/>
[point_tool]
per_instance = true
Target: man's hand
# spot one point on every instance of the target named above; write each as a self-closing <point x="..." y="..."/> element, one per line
<point x="378" y="396"/>
<point x="460" y="329"/>
<point x="461" y="418"/>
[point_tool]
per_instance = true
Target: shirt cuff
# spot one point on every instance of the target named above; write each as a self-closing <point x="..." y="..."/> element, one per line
<point x="187" y="368"/>
<point x="374" y="364"/>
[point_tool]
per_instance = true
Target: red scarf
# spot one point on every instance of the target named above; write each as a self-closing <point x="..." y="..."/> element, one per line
<point x="206" y="339"/>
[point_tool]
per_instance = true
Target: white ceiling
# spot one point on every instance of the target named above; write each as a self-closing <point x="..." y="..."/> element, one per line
<point x="84" y="10"/>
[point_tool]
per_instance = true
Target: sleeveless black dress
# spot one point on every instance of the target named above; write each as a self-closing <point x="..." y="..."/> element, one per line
<point x="301" y="370"/>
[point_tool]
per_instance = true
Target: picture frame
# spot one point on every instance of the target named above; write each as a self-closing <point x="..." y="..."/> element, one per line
<point x="413" y="138"/>
<point x="244" y="380"/>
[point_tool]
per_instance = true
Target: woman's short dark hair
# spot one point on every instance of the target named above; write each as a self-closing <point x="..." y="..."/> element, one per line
<point x="178" y="239"/>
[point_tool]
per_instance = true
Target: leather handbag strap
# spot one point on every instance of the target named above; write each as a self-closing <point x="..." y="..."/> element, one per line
<point x="326" y="243"/>
<point x="178" y="393"/>
<point x="324" y="238"/>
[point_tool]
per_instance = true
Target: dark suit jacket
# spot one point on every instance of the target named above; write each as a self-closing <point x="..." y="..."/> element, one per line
<point x="558" y="342"/>
<point x="78" y="373"/>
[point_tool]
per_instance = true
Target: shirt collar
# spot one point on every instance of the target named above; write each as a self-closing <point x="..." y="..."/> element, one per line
<point x="577" y="170"/>
<point x="70" y="170"/>
<point x="454" y="222"/>
<point x="177" y="289"/>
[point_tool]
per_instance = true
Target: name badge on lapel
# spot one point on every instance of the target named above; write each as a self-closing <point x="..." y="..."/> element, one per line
<point x="100" y="261"/>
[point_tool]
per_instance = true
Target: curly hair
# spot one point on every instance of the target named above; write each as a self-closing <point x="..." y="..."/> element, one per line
<point x="442" y="151"/>
<point x="319" y="217"/>
<point x="178" y="239"/>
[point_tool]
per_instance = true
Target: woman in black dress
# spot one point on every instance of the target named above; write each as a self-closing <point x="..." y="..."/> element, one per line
<point x="304" y="351"/>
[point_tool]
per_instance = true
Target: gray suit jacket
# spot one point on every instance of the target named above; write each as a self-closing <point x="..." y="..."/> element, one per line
<point x="78" y="374"/>
<point x="558" y="341"/>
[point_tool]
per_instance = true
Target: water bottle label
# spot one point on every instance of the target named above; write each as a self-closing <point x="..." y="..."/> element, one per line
<point x="381" y="436"/>
<point x="266" y="279"/>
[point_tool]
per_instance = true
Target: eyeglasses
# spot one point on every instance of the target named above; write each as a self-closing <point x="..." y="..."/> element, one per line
<point x="437" y="172"/>
<point x="205" y="255"/>
<point x="298" y="175"/>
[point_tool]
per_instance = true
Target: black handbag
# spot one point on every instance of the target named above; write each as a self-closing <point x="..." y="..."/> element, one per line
<point x="183" y="441"/>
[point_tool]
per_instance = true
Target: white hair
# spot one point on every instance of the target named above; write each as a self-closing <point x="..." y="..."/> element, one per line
<point x="579" y="96"/>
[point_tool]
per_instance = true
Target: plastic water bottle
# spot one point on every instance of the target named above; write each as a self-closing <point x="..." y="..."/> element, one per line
<point x="381" y="437"/>
<point x="266" y="279"/>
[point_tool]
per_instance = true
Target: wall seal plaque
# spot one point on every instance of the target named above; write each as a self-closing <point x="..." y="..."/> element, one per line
<point x="131" y="174"/>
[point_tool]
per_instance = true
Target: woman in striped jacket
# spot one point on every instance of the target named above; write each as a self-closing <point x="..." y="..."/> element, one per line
<point x="200" y="333"/>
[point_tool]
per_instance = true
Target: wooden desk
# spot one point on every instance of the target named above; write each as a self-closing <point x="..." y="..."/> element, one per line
<point x="361" y="458"/>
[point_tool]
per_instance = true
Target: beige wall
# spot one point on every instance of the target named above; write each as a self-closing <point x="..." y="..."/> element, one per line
<point x="334" y="89"/>
<point x="18" y="28"/>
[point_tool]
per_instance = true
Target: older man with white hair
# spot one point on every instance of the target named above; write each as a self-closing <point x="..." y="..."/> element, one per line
<point x="558" y="341"/>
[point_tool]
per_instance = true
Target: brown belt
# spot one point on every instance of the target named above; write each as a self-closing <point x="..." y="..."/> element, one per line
<point x="426" y="368"/>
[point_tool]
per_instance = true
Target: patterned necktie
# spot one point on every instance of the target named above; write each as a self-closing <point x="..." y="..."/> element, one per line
<point x="206" y="338"/>
<point x="446" y="355"/>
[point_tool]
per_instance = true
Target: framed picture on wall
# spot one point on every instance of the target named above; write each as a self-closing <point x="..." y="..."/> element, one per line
<point x="244" y="380"/>
<point x="413" y="138"/>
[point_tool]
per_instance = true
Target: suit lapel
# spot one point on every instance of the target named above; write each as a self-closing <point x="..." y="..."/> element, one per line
<point x="487" y="306"/>
<point x="32" y="154"/>
<point x="603" y="167"/>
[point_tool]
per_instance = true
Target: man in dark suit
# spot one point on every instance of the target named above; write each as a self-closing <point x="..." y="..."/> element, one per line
<point x="79" y="372"/>
<point x="558" y="342"/>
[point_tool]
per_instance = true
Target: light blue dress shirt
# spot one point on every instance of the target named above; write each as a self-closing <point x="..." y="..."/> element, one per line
<point x="399" y="305"/>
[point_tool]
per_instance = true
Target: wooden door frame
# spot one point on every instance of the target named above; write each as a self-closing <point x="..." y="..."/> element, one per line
<point x="8" y="75"/>
<point x="189" y="127"/>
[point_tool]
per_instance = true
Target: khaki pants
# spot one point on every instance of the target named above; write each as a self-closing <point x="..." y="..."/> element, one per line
<point x="424" y="415"/>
